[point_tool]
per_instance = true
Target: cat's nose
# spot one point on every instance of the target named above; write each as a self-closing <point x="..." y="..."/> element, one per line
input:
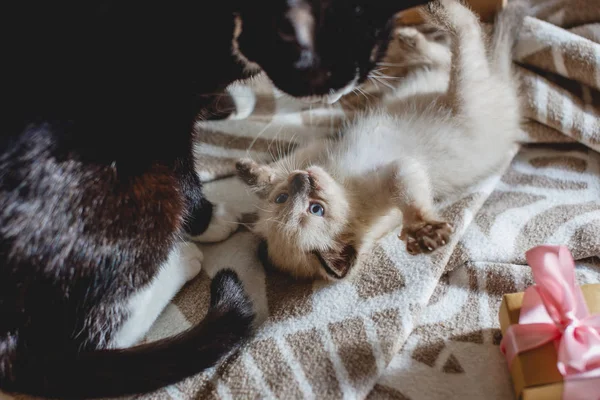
<point x="300" y="183"/>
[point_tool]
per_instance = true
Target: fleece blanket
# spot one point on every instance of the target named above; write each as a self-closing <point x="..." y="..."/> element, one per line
<point x="549" y="194"/>
<point x="406" y="327"/>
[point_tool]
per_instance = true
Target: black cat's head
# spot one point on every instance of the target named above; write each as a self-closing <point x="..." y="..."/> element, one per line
<point x="316" y="47"/>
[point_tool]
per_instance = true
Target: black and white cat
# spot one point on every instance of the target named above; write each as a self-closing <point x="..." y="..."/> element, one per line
<point x="97" y="180"/>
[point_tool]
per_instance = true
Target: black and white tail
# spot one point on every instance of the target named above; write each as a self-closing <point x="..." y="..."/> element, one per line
<point x="144" y="368"/>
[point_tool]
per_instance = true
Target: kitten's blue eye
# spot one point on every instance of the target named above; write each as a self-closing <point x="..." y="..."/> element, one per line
<point x="281" y="198"/>
<point x="316" y="209"/>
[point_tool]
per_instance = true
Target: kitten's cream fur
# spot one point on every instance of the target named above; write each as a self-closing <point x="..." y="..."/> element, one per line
<point x="449" y="125"/>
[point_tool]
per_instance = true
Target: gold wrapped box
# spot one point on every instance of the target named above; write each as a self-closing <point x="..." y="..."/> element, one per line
<point x="534" y="373"/>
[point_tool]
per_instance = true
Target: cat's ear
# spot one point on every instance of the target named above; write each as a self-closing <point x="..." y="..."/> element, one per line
<point x="258" y="177"/>
<point x="338" y="261"/>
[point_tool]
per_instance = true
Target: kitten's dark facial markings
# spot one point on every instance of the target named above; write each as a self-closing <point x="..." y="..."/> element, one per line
<point x="300" y="184"/>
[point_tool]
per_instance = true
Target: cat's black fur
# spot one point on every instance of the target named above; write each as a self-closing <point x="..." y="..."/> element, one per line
<point x="97" y="175"/>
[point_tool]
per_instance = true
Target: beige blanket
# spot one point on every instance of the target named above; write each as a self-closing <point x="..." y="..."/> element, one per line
<point x="409" y="327"/>
<point x="412" y="327"/>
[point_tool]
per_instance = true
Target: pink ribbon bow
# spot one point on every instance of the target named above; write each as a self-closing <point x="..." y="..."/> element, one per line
<point x="554" y="310"/>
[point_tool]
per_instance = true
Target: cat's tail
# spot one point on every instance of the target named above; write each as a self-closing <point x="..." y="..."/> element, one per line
<point x="144" y="368"/>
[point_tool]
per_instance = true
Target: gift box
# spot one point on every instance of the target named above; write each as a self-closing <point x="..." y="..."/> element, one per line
<point x="551" y="332"/>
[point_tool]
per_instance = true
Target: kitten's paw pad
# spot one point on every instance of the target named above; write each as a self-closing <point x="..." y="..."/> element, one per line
<point x="426" y="237"/>
<point x="191" y="260"/>
<point x="223" y="223"/>
<point x="245" y="165"/>
<point x="248" y="170"/>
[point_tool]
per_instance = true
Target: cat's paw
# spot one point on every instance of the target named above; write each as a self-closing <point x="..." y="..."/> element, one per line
<point x="426" y="236"/>
<point x="191" y="260"/>
<point x="223" y="223"/>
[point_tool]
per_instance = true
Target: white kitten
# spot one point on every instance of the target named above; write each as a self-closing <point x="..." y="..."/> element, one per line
<point x="449" y="125"/>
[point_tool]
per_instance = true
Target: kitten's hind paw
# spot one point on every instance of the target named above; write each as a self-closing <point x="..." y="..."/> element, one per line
<point x="426" y="236"/>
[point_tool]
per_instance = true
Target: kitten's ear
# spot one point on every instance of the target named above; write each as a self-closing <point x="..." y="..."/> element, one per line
<point x="338" y="261"/>
<point x="258" y="177"/>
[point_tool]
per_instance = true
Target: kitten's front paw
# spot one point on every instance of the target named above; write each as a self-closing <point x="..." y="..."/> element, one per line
<point x="191" y="260"/>
<point x="223" y="223"/>
<point x="248" y="170"/>
<point x="426" y="236"/>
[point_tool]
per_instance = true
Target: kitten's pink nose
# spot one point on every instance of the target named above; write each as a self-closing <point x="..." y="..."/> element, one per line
<point x="299" y="183"/>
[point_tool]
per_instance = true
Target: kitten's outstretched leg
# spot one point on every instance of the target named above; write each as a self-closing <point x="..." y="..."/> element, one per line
<point x="470" y="64"/>
<point x="412" y="194"/>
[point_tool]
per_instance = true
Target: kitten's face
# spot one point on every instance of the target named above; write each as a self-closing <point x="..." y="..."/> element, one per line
<point x="303" y="217"/>
<point x="316" y="47"/>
